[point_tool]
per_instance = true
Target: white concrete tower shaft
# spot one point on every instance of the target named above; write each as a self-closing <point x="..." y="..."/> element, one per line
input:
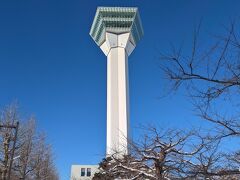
<point x="117" y="48"/>
<point x="117" y="30"/>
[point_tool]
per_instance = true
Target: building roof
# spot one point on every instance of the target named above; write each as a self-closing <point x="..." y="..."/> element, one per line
<point x="116" y="20"/>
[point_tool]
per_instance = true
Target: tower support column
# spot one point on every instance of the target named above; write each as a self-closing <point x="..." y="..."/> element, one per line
<point x="116" y="48"/>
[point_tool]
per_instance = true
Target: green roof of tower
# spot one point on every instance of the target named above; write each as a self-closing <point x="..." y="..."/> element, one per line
<point x="116" y="20"/>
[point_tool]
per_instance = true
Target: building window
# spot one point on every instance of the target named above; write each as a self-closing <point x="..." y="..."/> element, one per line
<point x="88" y="171"/>
<point x="82" y="171"/>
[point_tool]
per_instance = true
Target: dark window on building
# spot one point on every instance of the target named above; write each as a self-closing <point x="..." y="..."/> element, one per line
<point x="88" y="171"/>
<point x="82" y="171"/>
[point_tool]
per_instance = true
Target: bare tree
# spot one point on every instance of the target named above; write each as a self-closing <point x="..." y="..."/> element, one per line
<point x="211" y="163"/>
<point x="8" y="120"/>
<point x="211" y="76"/>
<point x="171" y="155"/>
<point x="33" y="158"/>
<point x="43" y="161"/>
<point x="158" y="156"/>
<point x="23" y="164"/>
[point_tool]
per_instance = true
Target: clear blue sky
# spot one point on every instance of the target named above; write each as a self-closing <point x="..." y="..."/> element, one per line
<point x="49" y="63"/>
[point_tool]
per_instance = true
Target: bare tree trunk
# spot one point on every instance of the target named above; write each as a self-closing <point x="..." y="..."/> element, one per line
<point x="6" y="145"/>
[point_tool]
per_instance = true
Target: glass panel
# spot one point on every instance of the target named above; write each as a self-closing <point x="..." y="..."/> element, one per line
<point x="116" y="20"/>
<point x="88" y="171"/>
<point x="82" y="171"/>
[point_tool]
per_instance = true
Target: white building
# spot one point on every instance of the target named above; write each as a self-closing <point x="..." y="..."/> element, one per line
<point x="83" y="172"/>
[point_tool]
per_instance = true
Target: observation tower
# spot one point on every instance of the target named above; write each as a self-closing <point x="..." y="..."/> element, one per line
<point x="117" y="30"/>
